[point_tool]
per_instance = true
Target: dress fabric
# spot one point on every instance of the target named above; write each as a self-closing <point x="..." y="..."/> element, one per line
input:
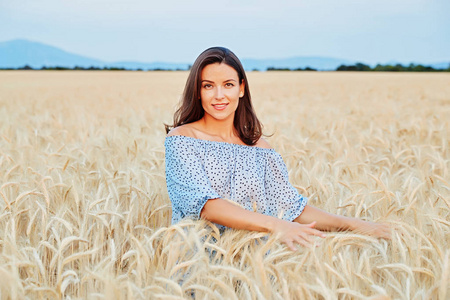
<point x="255" y="178"/>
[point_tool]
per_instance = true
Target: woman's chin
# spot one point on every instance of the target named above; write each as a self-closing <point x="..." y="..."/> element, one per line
<point x="220" y="116"/>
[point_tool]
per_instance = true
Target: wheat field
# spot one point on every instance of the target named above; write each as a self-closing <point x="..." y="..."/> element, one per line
<point x="84" y="210"/>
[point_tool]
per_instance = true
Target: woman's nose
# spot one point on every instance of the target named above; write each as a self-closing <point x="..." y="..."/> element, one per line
<point x="219" y="93"/>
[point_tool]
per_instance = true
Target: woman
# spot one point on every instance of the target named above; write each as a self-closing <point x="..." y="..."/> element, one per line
<point x="219" y="168"/>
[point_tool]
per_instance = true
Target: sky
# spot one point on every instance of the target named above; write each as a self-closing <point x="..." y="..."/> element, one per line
<point x="370" y="31"/>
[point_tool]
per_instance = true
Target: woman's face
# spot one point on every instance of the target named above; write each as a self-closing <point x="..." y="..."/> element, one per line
<point x="220" y="91"/>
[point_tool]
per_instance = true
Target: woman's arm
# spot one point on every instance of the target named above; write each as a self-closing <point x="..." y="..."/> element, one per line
<point x="330" y="222"/>
<point x="222" y="212"/>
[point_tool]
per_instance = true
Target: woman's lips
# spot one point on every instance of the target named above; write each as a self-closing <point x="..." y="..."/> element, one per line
<point x="220" y="106"/>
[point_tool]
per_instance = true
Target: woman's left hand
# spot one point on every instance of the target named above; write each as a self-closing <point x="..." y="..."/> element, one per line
<point x="378" y="230"/>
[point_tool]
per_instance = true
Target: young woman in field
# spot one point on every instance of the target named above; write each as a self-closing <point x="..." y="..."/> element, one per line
<point x="219" y="168"/>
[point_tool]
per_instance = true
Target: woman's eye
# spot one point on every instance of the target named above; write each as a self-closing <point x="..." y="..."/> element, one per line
<point x="229" y="84"/>
<point x="207" y="86"/>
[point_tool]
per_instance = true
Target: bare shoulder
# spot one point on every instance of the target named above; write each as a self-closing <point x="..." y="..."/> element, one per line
<point x="262" y="143"/>
<point x="185" y="130"/>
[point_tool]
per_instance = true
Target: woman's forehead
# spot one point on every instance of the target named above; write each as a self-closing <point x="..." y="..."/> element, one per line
<point x="218" y="72"/>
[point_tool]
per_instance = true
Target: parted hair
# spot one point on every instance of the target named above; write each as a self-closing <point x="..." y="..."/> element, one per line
<point x="247" y="125"/>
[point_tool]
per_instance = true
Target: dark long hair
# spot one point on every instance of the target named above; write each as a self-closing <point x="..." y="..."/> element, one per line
<point x="246" y="123"/>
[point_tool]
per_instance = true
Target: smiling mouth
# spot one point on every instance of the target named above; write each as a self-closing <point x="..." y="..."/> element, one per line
<point x="220" y="106"/>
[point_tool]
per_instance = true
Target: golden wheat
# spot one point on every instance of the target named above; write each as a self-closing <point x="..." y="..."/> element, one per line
<point x="85" y="211"/>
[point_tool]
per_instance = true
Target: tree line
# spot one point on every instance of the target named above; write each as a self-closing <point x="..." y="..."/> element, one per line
<point x="92" y="68"/>
<point x="391" y="68"/>
<point x="378" y="68"/>
<point x="356" y="67"/>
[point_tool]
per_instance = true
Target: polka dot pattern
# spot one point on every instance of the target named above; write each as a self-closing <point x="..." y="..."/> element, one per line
<point x="255" y="178"/>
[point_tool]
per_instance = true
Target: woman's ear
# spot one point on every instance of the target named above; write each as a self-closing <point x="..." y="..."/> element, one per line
<point x="242" y="89"/>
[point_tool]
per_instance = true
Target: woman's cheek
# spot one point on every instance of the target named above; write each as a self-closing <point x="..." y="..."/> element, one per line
<point x="206" y="94"/>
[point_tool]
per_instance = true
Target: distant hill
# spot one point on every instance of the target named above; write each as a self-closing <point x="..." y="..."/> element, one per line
<point x="149" y="66"/>
<point x="18" y="53"/>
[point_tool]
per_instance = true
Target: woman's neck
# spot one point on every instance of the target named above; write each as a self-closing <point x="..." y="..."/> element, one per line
<point x="221" y="128"/>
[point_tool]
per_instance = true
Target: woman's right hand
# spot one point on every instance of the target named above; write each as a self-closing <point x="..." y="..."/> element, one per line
<point x="221" y="211"/>
<point x="293" y="232"/>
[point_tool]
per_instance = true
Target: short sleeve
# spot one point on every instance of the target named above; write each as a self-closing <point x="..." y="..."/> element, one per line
<point x="187" y="183"/>
<point x="288" y="202"/>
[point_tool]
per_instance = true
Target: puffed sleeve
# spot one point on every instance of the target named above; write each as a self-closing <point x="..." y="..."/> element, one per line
<point x="287" y="200"/>
<point x="187" y="183"/>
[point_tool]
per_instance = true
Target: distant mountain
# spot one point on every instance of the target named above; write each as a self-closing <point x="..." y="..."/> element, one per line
<point x="149" y="66"/>
<point x="18" y="53"/>
<point x="440" y="65"/>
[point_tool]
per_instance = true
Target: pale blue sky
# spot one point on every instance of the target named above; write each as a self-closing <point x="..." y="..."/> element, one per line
<point x="177" y="31"/>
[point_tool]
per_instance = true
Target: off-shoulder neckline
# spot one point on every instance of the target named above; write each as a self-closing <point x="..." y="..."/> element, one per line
<point x="223" y="143"/>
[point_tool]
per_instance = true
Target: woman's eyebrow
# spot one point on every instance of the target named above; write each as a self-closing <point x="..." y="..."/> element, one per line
<point x="213" y="81"/>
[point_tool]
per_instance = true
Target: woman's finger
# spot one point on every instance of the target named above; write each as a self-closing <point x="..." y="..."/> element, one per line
<point x="312" y="224"/>
<point x="312" y="231"/>
<point x="303" y="242"/>
<point x="387" y="233"/>
<point x="303" y="237"/>
<point x="290" y="245"/>
<point x="316" y="232"/>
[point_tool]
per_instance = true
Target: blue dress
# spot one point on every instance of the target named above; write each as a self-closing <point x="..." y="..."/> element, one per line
<point x="253" y="177"/>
